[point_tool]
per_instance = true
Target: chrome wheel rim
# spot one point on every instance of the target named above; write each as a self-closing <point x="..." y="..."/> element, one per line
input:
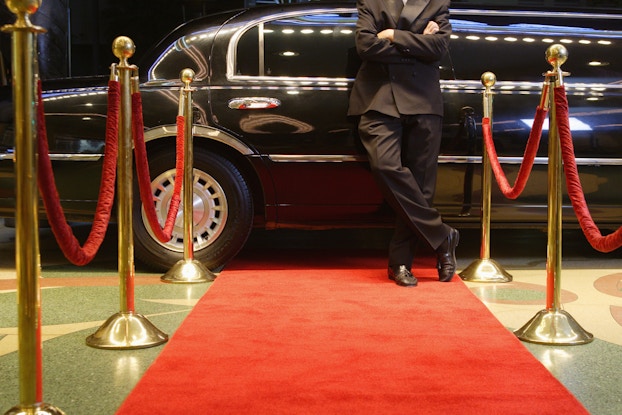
<point x="210" y="210"/>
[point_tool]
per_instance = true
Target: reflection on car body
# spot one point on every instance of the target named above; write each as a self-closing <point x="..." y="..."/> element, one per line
<point x="273" y="145"/>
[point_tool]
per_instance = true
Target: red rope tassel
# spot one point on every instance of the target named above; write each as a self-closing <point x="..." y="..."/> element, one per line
<point x="512" y="192"/>
<point x="573" y="183"/>
<point x="142" y="172"/>
<point x="47" y="187"/>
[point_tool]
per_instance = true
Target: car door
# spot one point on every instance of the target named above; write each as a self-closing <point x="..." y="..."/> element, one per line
<point x="286" y="93"/>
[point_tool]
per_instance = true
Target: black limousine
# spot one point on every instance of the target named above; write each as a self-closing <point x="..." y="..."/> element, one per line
<point x="273" y="145"/>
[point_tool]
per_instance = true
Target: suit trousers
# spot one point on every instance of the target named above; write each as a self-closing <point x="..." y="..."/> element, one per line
<point x="403" y="156"/>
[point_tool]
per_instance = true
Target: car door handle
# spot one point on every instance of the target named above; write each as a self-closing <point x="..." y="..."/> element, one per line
<point x="254" y="103"/>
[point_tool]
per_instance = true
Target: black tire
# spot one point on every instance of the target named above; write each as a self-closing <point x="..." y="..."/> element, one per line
<point x="223" y="212"/>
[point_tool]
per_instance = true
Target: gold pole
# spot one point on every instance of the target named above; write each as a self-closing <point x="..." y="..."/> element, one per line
<point x="27" y="256"/>
<point x="126" y="329"/>
<point x="554" y="325"/>
<point x="188" y="270"/>
<point x="486" y="269"/>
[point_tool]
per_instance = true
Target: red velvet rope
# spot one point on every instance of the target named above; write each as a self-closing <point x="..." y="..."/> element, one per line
<point x="47" y="187"/>
<point x="573" y="184"/>
<point x="142" y="171"/>
<point x="512" y="192"/>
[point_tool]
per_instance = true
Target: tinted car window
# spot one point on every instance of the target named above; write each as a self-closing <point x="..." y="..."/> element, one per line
<point x="189" y="51"/>
<point x="299" y="46"/>
<point x="513" y="47"/>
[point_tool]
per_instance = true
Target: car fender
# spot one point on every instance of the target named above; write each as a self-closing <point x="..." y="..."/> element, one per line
<point x="257" y="162"/>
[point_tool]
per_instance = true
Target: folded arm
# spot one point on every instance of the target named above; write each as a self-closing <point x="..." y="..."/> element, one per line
<point x="369" y="44"/>
<point x="391" y="45"/>
<point x="430" y="45"/>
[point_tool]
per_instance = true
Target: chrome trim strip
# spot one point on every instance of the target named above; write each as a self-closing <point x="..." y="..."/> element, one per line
<point x="76" y="157"/>
<point x="319" y="158"/>
<point x="63" y="157"/>
<point x="447" y="85"/>
<point x="537" y="160"/>
<point x="507" y="85"/>
<point x="346" y="158"/>
<point x="316" y="158"/>
<point x="268" y="83"/>
<point x="202" y="132"/>
<point x="53" y="94"/>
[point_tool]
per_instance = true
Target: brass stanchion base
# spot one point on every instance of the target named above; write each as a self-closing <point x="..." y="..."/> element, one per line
<point x="555" y="327"/>
<point x="126" y="331"/>
<point x="188" y="271"/>
<point x="485" y="270"/>
<point x="38" y="409"/>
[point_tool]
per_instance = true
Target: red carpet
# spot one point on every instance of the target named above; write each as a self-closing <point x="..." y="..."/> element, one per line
<point x="344" y="341"/>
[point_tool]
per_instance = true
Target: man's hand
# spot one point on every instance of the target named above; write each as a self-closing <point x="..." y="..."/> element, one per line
<point x="431" y="28"/>
<point x="386" y="34"/>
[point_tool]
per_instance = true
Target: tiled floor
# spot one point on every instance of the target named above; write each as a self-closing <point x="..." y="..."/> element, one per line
<point x="75" y="301"/>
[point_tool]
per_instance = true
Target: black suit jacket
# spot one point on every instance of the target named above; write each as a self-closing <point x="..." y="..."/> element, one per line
<point x="400" y="77"/>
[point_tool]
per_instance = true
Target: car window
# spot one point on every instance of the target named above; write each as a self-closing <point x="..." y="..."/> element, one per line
<point x="514" y="47"/>
<point x="189" y="51"/>
<point x="310" y="45"/>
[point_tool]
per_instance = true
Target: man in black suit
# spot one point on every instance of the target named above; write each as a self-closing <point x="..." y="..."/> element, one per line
<point x="397" y="97"/>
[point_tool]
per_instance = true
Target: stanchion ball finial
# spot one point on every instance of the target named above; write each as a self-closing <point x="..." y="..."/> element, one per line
<point x="556" y="55"/>
<point x="488" y="79"/>
<point x="23" y="6"/>
<point x="186" y="76"/>
<point x="123" y="48"/>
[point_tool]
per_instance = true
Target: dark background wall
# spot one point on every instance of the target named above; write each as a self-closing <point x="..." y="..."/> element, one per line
<point x="80" y="32"/>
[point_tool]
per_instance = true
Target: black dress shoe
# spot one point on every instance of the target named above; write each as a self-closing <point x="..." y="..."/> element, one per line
<point x="402" y="276"/>
<point x="447" y="256"/>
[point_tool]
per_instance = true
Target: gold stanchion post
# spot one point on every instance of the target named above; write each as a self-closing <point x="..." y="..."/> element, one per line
<point x="554" y="325"/>
<point x="27" y="261"/>
<point x="486" y="269"/>
<point x="188" y="270"/>
<point x="125" y="329"/>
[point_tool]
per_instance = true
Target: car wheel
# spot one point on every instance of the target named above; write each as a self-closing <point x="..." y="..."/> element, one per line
<point x="222" y="211"/>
